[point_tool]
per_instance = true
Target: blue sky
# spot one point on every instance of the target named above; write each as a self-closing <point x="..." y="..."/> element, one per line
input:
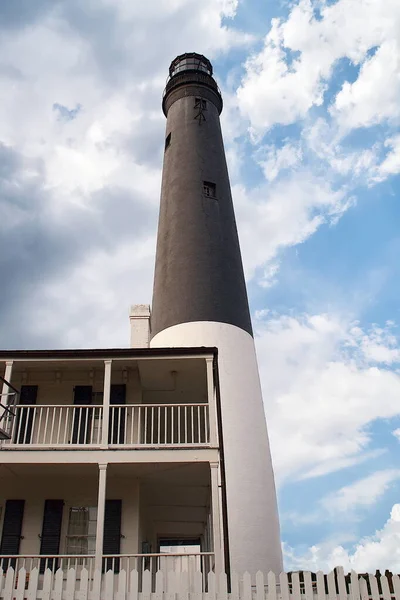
<point x="311" y="126"/>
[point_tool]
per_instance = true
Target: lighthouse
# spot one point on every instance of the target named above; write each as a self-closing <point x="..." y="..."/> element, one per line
<point x="200" y="299"/>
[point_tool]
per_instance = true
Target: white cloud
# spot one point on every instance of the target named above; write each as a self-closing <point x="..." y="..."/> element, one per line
<point x="283" y="214"/>
<point x="361" y="493"/>
<point x="292" y="71"/>
<point x="274" y="160"/>
<point x="322" y="390"/>
<point x="379" y="551"/>
<point x="396" y="434"/>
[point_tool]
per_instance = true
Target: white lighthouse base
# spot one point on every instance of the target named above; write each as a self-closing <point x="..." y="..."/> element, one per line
<point x="253" y="524"/>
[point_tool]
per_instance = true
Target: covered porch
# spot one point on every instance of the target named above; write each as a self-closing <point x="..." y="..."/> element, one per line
<point x="164" y="516"/>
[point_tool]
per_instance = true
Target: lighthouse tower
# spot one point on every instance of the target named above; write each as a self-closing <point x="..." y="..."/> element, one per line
<point x="200" y="299"/>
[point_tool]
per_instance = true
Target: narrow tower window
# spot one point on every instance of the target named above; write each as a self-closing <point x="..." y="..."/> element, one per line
<point x="167" y="141"/>
<point x="209" y="189"/>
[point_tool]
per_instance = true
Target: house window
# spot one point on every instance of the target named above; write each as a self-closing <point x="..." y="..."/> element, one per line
<point x="209" y="189"/>
<point x="81" y="537"/>
<point x="167" y="141"/>
<point x="200" y="103"/>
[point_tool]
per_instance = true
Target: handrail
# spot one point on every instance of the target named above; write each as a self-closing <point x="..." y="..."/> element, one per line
<point x="8" y="384"/>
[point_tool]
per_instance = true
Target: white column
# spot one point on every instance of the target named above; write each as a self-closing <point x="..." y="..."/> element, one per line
<point x="106" y="403"/>
<point x="101" y="503"/>
<point x="212" y="405"/>
<point x="216" y="519"/>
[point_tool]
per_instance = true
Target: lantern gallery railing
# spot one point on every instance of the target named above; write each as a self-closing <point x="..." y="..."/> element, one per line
<point x="135" y="425"/>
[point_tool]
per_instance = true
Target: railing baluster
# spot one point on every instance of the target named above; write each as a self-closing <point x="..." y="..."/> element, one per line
<point x="145" y="424"/>
<point x="152" y="425"/>
<point x="60" y="420"/>
<point x="172" y="425"/>
<point x="53" y="416"/>
<point x="46" y="421"/>
<point x="179" y="424"/>
<point x="158" y="425"/>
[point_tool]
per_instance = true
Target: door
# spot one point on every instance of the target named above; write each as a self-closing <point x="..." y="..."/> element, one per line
<point x="81" y="424"/>
<point x="116" y="427"/>
<point x="24" y="419"/>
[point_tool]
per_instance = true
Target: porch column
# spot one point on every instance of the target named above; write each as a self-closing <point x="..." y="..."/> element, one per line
<point x="5" y="389"/>
<point x="106" y="403"/>
<point x="212" y="405"/>
<point x="101" y="504"/>
<point x="216" y="519"/>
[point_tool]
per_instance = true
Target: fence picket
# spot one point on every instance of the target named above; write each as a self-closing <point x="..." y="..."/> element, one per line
<point x="211" y="586"/>
<point x="271" y="579"/>
<point x="122" y="585"/>
<point x="296" y="593"/>
<point x="363" y="589"/>
<point x="183" y="585"/>
<point x="354" y="586"/>
<point x="33" y="584"/>
<point x="374" y="587"/>
<point x="96" y="589"/>
<point x="109" y="585"/>
<point x="146" y="585"/>
<point x="84" y="584"/>
<point x="47" y="584"/>
<point x="133" y="585"/>
<point x="2" y="578"/>
<point x="197" y="586"/>
<point x="308" y="589"/>
<point x="385" y="588"/>
<point x="9" y="584"/>
<point x="222" y="587"/>
<point x="260" y="590"/>
<point x="284" y="586"/>
<point x="58" y="585"/>
<point x="331" y="586"/>
<point x="246" y="583"/>
<point x="20" y="584"/>
<point x="235" y="591"/>
<point x="159" y="585"/>
<point x="321" y="595"/>
<point x="396" y="586"/>
<point x="341" y="583"/>
<point x="71" y="582"/>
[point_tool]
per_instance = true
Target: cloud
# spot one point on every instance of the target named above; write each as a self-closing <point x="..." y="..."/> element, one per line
<point x="292" y="71"/>
<point x="379" y="551"/>
<point x="81" y="154"/>
<point x="361" y="493"/>
<point x="323" y="388"/>
<point x="283" y="214"/>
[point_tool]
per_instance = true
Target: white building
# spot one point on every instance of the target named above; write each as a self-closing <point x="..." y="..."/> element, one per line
<point x="136" y="453"/>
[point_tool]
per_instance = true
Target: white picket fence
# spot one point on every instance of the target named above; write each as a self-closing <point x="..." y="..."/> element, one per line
<point x="76" y="584"/>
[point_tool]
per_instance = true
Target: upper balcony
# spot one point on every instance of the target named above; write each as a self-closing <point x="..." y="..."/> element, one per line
<point x="108" y="400"/>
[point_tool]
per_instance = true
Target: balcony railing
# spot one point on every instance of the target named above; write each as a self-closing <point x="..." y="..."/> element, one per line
<point x="159" y="425"/>
<point x="54" y="425"/>
<point x="71" y="426"/>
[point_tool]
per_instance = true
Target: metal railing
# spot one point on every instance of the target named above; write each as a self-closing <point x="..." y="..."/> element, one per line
<point x="159" y="424"/>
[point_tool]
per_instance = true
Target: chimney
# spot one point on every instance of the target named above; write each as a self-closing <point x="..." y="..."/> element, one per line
<point x="140" y="325"/>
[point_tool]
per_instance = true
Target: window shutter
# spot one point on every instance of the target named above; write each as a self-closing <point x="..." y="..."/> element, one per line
<point x="116" y="427"/>
<point x="51" y="532"/>
<point x="12" y="527"/>
<point x="82" y="416"/>
<point x="24" y="420"/>
<point x="112" y="534"/>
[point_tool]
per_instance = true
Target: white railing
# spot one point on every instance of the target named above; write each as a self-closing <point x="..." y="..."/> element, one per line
<point x="159" y="424"/>
<point x="130" y="425"/>
<point x="55" y="425"/>
<point x="178" y="585"/>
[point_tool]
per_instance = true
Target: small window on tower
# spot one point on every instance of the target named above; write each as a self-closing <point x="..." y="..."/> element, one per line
<point x="209" y="189"/>
<point x="167" y="141"/>
<point x="200" y="103"/>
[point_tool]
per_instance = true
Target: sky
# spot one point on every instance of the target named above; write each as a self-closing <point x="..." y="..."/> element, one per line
<point x="311" y="127"/>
